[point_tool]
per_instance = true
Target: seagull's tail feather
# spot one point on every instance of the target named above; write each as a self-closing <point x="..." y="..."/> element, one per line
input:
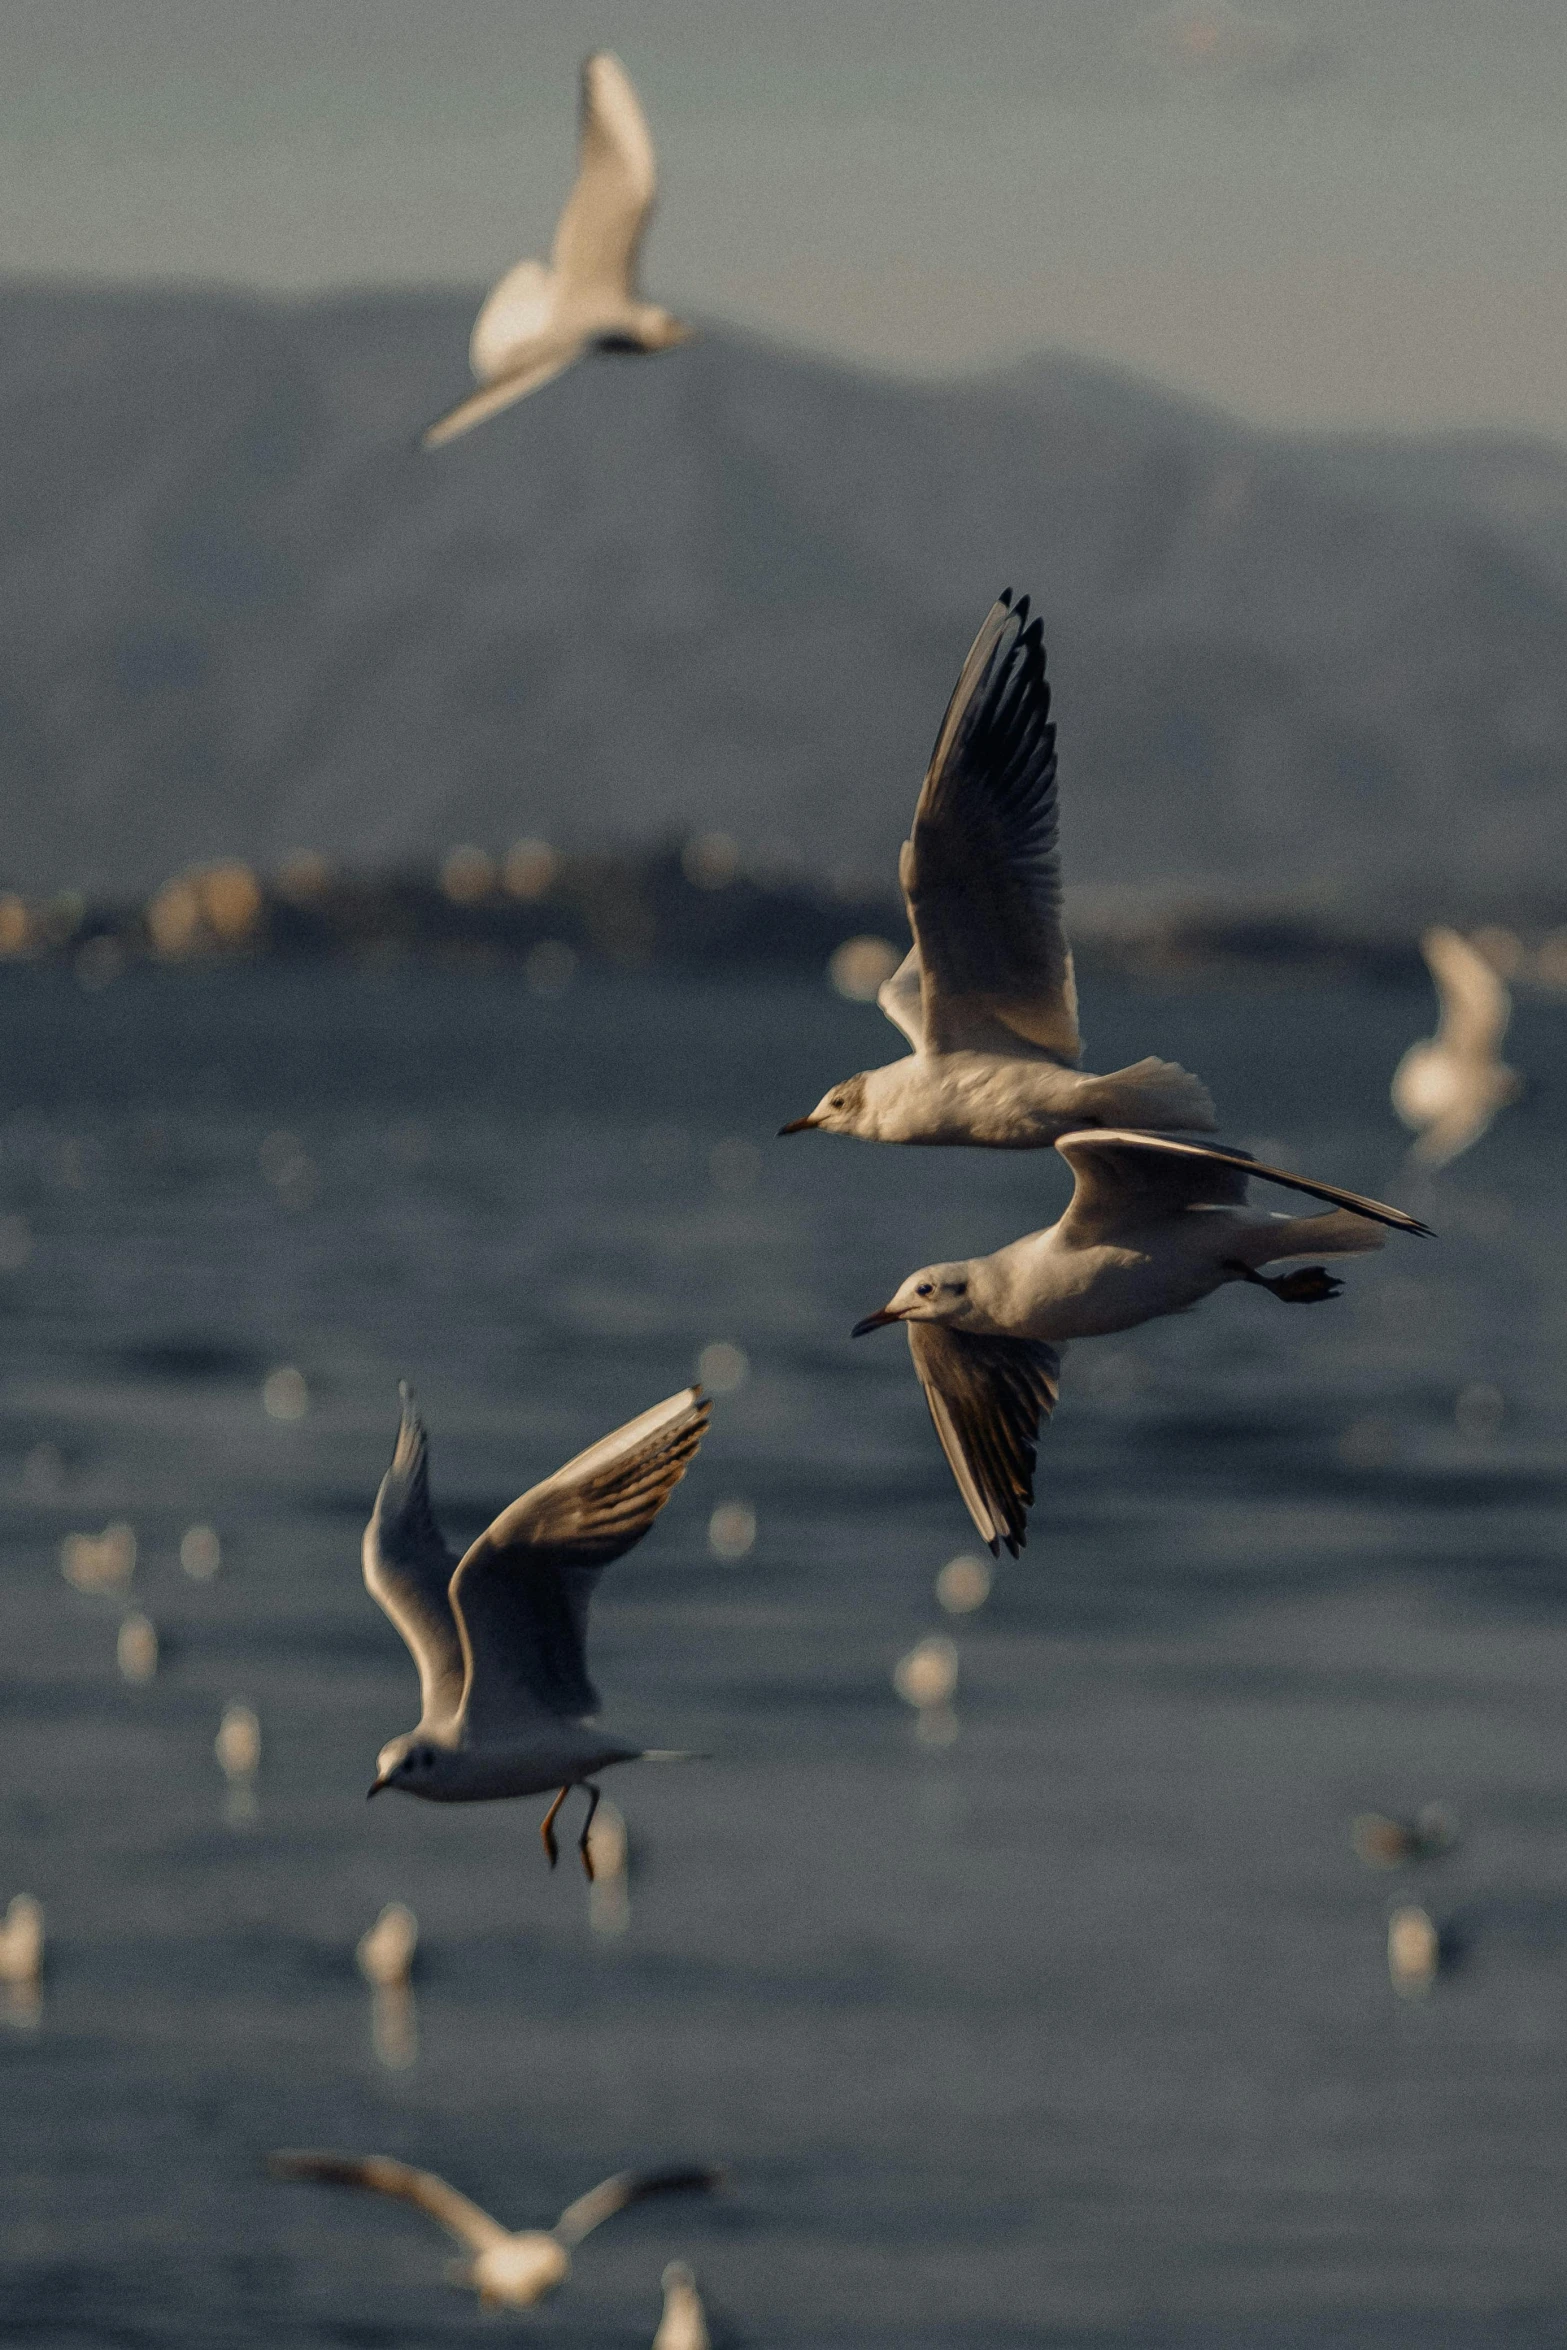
<point x="1151" y="1094"/>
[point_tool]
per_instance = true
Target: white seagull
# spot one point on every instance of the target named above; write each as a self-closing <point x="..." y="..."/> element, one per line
<point x="1450" y="1086"/>
<point x="986" y="994"/>
<point x="683" y="2325"/>
<point x="508" y="2270"/>
<point x="543" y="317"/>
<point x="498" y="1636"/>
<point x="1153" y="1226"/>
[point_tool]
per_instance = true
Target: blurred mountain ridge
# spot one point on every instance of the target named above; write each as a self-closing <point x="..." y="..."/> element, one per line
<point x="729" y="589"/>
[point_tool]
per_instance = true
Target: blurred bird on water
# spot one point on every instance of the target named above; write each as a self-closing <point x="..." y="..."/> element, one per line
<point x="683" y="2325"/>
<point x="499" y="1636"/>
<point x="1385" y="1843"/>
<point x="543" y="317"/>
<point x="508" y="2270"/>
<point x="1154" y="1225"/>
<point x="1450" y="1086"/>
<point x="986" y="995"/>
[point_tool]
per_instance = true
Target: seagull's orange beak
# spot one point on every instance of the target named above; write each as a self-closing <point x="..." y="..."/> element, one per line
<point x="877" y="1321"/>
<point x="799" y="1126"/>
<point x="376" y="1786"/>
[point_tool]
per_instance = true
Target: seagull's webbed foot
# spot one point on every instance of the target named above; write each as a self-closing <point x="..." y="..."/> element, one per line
<point x="582" y="1841"/>
<point x="547" y="1827"/>
<point x="1313" y="1285"/>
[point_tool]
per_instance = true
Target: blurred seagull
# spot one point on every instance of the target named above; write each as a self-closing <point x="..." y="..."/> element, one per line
<point x="986" y="994"/>
<point x="1153" y="1226"/>
<point x="541" y="318"/>
<point x="683" y="2325"/>
<point x="1384" y="1843"/>
<point x="499" y="1636"/>
<point x="1449" y="1087"/>
<point x="508" y="2271"/>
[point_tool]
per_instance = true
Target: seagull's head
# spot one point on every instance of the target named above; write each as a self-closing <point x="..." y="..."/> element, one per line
<point x="408" y="1763"/>
<point x="659" y="329"/>
<point x="937" y="1293"/>
<point x="842" y="1111"/>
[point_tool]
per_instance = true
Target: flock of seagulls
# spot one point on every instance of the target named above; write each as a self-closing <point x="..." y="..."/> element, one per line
<point x="987" y="1000"/>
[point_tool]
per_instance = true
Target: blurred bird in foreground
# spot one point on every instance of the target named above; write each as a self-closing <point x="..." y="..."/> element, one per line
<point x="1449" y="1087"/>
<point x="499" y="1635"/>
<point x="508" y="2270"/>
<point x="542" y="317"/>
<point x="1384" y="1843"/>
<point x="986" y="995"/>
<point x="1154" y="1225"/>
<point x="683" y="2325"/>
<point x="1418" y="1950"/>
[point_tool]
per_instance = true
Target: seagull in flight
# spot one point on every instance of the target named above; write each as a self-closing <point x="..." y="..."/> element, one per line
<point x="508" y="2271"/>
<point x="498" y="1635"/>
<point x="1153" y="1226"/>
<point x="1450" y="1086"/>
<point x="986" y="995"/>
<point x="541" y="318"/>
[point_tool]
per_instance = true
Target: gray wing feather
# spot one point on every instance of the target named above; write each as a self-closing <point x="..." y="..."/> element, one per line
<point x="987" y="1397"/>
<point x="521" y="1594"/>
<point x="1121" y="1178"/>
<point x="408" y="1567"/>
<point x="981" y="871"/>
<point x="626" y="2187"/>
<point x="383" y="2175"/>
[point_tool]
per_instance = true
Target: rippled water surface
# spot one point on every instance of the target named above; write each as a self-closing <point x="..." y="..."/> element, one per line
<point x="1075" y="2029"/>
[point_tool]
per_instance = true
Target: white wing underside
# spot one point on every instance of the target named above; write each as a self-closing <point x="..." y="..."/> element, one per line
<point x="901" y="998"/>
<point x="1476" y="1007"/>
<point x="518" y="314"/>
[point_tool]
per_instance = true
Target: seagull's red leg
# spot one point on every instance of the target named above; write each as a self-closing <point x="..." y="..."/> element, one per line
<point x="547" y="1828"/>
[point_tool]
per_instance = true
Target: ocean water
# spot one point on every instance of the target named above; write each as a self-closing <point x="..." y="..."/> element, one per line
<point x="1076" y="2028"/>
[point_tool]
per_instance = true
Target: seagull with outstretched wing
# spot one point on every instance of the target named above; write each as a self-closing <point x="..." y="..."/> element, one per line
<point x="499" y="1635"/>
<point x="1450" y="1086"/>
<point x="1153" y="1226"/>
<point x="986" y="995"/>
<point x="508" y="2270"/>
<point x="544" y="316"/>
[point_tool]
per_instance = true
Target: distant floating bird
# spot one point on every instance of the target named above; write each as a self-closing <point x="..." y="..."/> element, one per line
<point x="499" y="1636"/>
<point x="100" y="1562"/>
<point x="1418" y="1950"/>
<point x="1154" y="1225"/>
<point x="385" y="1951"/>
<point x="136" y="1650"/>
<point x="238" y="1742"/>
<point x="986" y="995"/>
<point x="541" y="318"/>
<point x="1383" y="1843"/>
<point x="683" y="2325"/>
<point x="1449" y="1087"/>
<point x="508" y="2271"/>
<point x="609" y="1853"/>
<point x="22" y="1942"/>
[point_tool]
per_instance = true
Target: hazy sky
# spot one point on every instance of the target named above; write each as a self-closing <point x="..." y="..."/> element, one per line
<point x="1320" y="211"/>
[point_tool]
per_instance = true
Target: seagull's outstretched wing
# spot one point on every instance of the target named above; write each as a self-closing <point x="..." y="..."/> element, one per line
<point x="900" y="997"/>
<point x="981" y="872"/>
<point x="1120" y="1179"/>
<point x="683" y="2325"/>
<point x="987" y="1397"/>
<point x="521" y="1593"/>
<point x="408" y="1567"/>
<point x="542" y="367"/>
<point x="517" y="314"/>
<point x="627" y="2186"/>
<point x="383" y="2176"/>
<point x="1476" y="1007"/>
<point x="600" y="229"/>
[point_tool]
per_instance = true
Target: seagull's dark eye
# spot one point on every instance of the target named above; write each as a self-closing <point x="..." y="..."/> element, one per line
<point x="926" y="1289"/>
<point x="836" y="1103"/>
